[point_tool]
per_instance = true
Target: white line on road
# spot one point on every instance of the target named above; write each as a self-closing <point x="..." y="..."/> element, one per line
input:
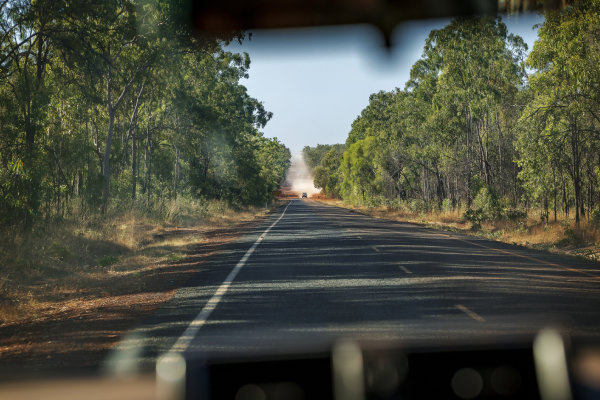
<point x="404" y="269"/>
<point x="186" y="338"/>
<point x="469" y="313"/>
<point x="376" y="249"/>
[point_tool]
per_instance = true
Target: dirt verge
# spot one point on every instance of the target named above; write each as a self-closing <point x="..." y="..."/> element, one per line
<point x="553" y="236"/>
<point x="75" y="333"/>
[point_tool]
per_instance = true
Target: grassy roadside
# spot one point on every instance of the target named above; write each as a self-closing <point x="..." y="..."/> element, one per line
<point x="104" y="256"/>
<point x="560" y="237"/>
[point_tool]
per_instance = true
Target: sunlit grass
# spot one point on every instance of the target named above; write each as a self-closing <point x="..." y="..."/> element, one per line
<point x="73" y="258"/>
<point x="561" y="236"/>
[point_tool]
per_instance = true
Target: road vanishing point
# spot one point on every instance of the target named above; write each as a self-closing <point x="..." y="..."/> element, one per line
<point x="313" y="270"/>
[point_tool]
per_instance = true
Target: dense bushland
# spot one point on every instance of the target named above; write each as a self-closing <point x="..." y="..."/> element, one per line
<point x="118" y="124"/>
<point x="484" y="127"/>
<point x="107" y="254"/>
<point x="108" y="103"/>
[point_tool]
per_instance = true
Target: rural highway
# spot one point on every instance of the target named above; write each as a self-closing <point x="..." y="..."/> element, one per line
<point x="312" y="270"/>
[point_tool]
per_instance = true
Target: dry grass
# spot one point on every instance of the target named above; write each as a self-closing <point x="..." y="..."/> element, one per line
<point x="559" y="237"/>
<point x="100" y="255"/>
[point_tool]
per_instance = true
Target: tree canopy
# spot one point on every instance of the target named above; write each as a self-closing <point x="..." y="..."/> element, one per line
<point x="105" y="102"/>
<point x="479" y="115"/>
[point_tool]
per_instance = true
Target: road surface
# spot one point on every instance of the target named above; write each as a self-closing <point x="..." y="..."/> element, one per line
<point x="328" y="271"/>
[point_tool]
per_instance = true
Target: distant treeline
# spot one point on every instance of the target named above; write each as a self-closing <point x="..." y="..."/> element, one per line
<point x="313" y="156"/>
<point x="107" y="102"/>
<point x="480" y="124"/>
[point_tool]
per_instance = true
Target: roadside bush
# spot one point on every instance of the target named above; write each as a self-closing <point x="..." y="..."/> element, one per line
<point x="486" y="201"/>
<point x="122" y="188"/>
<point x="374" y="201"/>
<point x="572" y="238"/>
<point x="397" y="204"/>
<point x="513" y="215"/>
<point x="420" y="206"/>
<point x="476" y="184"/>
<point x="60" y="252"/>
<point x="595" y="220"/>
<point x="107" y="260"/>
<point x="332" y="189"/>
<point x="476" y="217"/>
<point x="173" y="257"/>
<point x="485" y="205"/>
<point x="447" y="205"/>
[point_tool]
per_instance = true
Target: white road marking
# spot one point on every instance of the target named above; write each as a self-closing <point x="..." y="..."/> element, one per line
<point x="404" y="269"/>
<point x="376" y="249"/>
<point x="186" y="338"/>
<point x="469" y="313"/>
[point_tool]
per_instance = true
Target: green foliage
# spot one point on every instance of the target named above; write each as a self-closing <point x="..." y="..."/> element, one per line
<point x="313" y="156"/>
<point x="595" y="220"/>
<point x="107" y="260"/>
<point x="359" y="179"/>
<point x="275" y="160"/>
<point x="332" y="188"/>
<point x="475" y="217"/>
<point x="443" y="137"/>
<point x="174" y="257"/>
<point x="495" y="235"/>
<point x="124" y="103"/>
<point x="486" y="202"/>
<point x="572" y="238"/>
<point x="472" y="127"/>
<point x="60" y="252"/>
<point x="421" y="206"/>
<point x="557" y="140"/>
<point x="488" y="207"/>
<point x="476" y="185"/>
<point x="324" y="166"/>
<point x="321" y="177"/>
<point x="513" y="215"/>
<point x="377" y="119"/>
<point x="447" y="205"/>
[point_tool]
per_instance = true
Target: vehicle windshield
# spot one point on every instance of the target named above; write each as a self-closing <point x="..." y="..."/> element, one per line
<point x="250" y="191"/>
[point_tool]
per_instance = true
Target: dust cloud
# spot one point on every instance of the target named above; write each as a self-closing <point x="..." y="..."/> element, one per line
<point x="299" y="178"/>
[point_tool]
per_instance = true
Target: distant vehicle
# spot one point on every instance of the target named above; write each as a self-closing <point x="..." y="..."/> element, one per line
<point x="304" y="196"/>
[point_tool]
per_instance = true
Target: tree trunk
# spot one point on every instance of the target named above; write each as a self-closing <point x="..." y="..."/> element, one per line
<point x="575" y="173"/>
<point x="111" y="125"/>
<point x="176" y="172"/>
<point x="133" y="165"/>
<point x="149" y="160"/>
<point x="106" y="164"/>
<point x="555" y="205"/>
<point x="131" y="134"/>
<point x="145" y="188"/>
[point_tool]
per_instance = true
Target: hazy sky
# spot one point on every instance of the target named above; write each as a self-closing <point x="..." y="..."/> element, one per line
<point x="316" y="82"/>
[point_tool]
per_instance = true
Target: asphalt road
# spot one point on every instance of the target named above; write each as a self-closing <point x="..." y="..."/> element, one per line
<point x="326" y="271"/>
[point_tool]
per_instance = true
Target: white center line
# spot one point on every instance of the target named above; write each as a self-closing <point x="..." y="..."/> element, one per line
<point x="190" y="333"/>
<point x="404" y="269"/>
<point x="469" y="313"/>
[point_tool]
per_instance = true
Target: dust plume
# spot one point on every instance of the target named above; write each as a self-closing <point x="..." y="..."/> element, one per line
<point x="299" y="178"/>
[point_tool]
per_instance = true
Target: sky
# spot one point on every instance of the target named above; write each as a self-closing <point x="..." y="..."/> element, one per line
<point x="317" y="81"/>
